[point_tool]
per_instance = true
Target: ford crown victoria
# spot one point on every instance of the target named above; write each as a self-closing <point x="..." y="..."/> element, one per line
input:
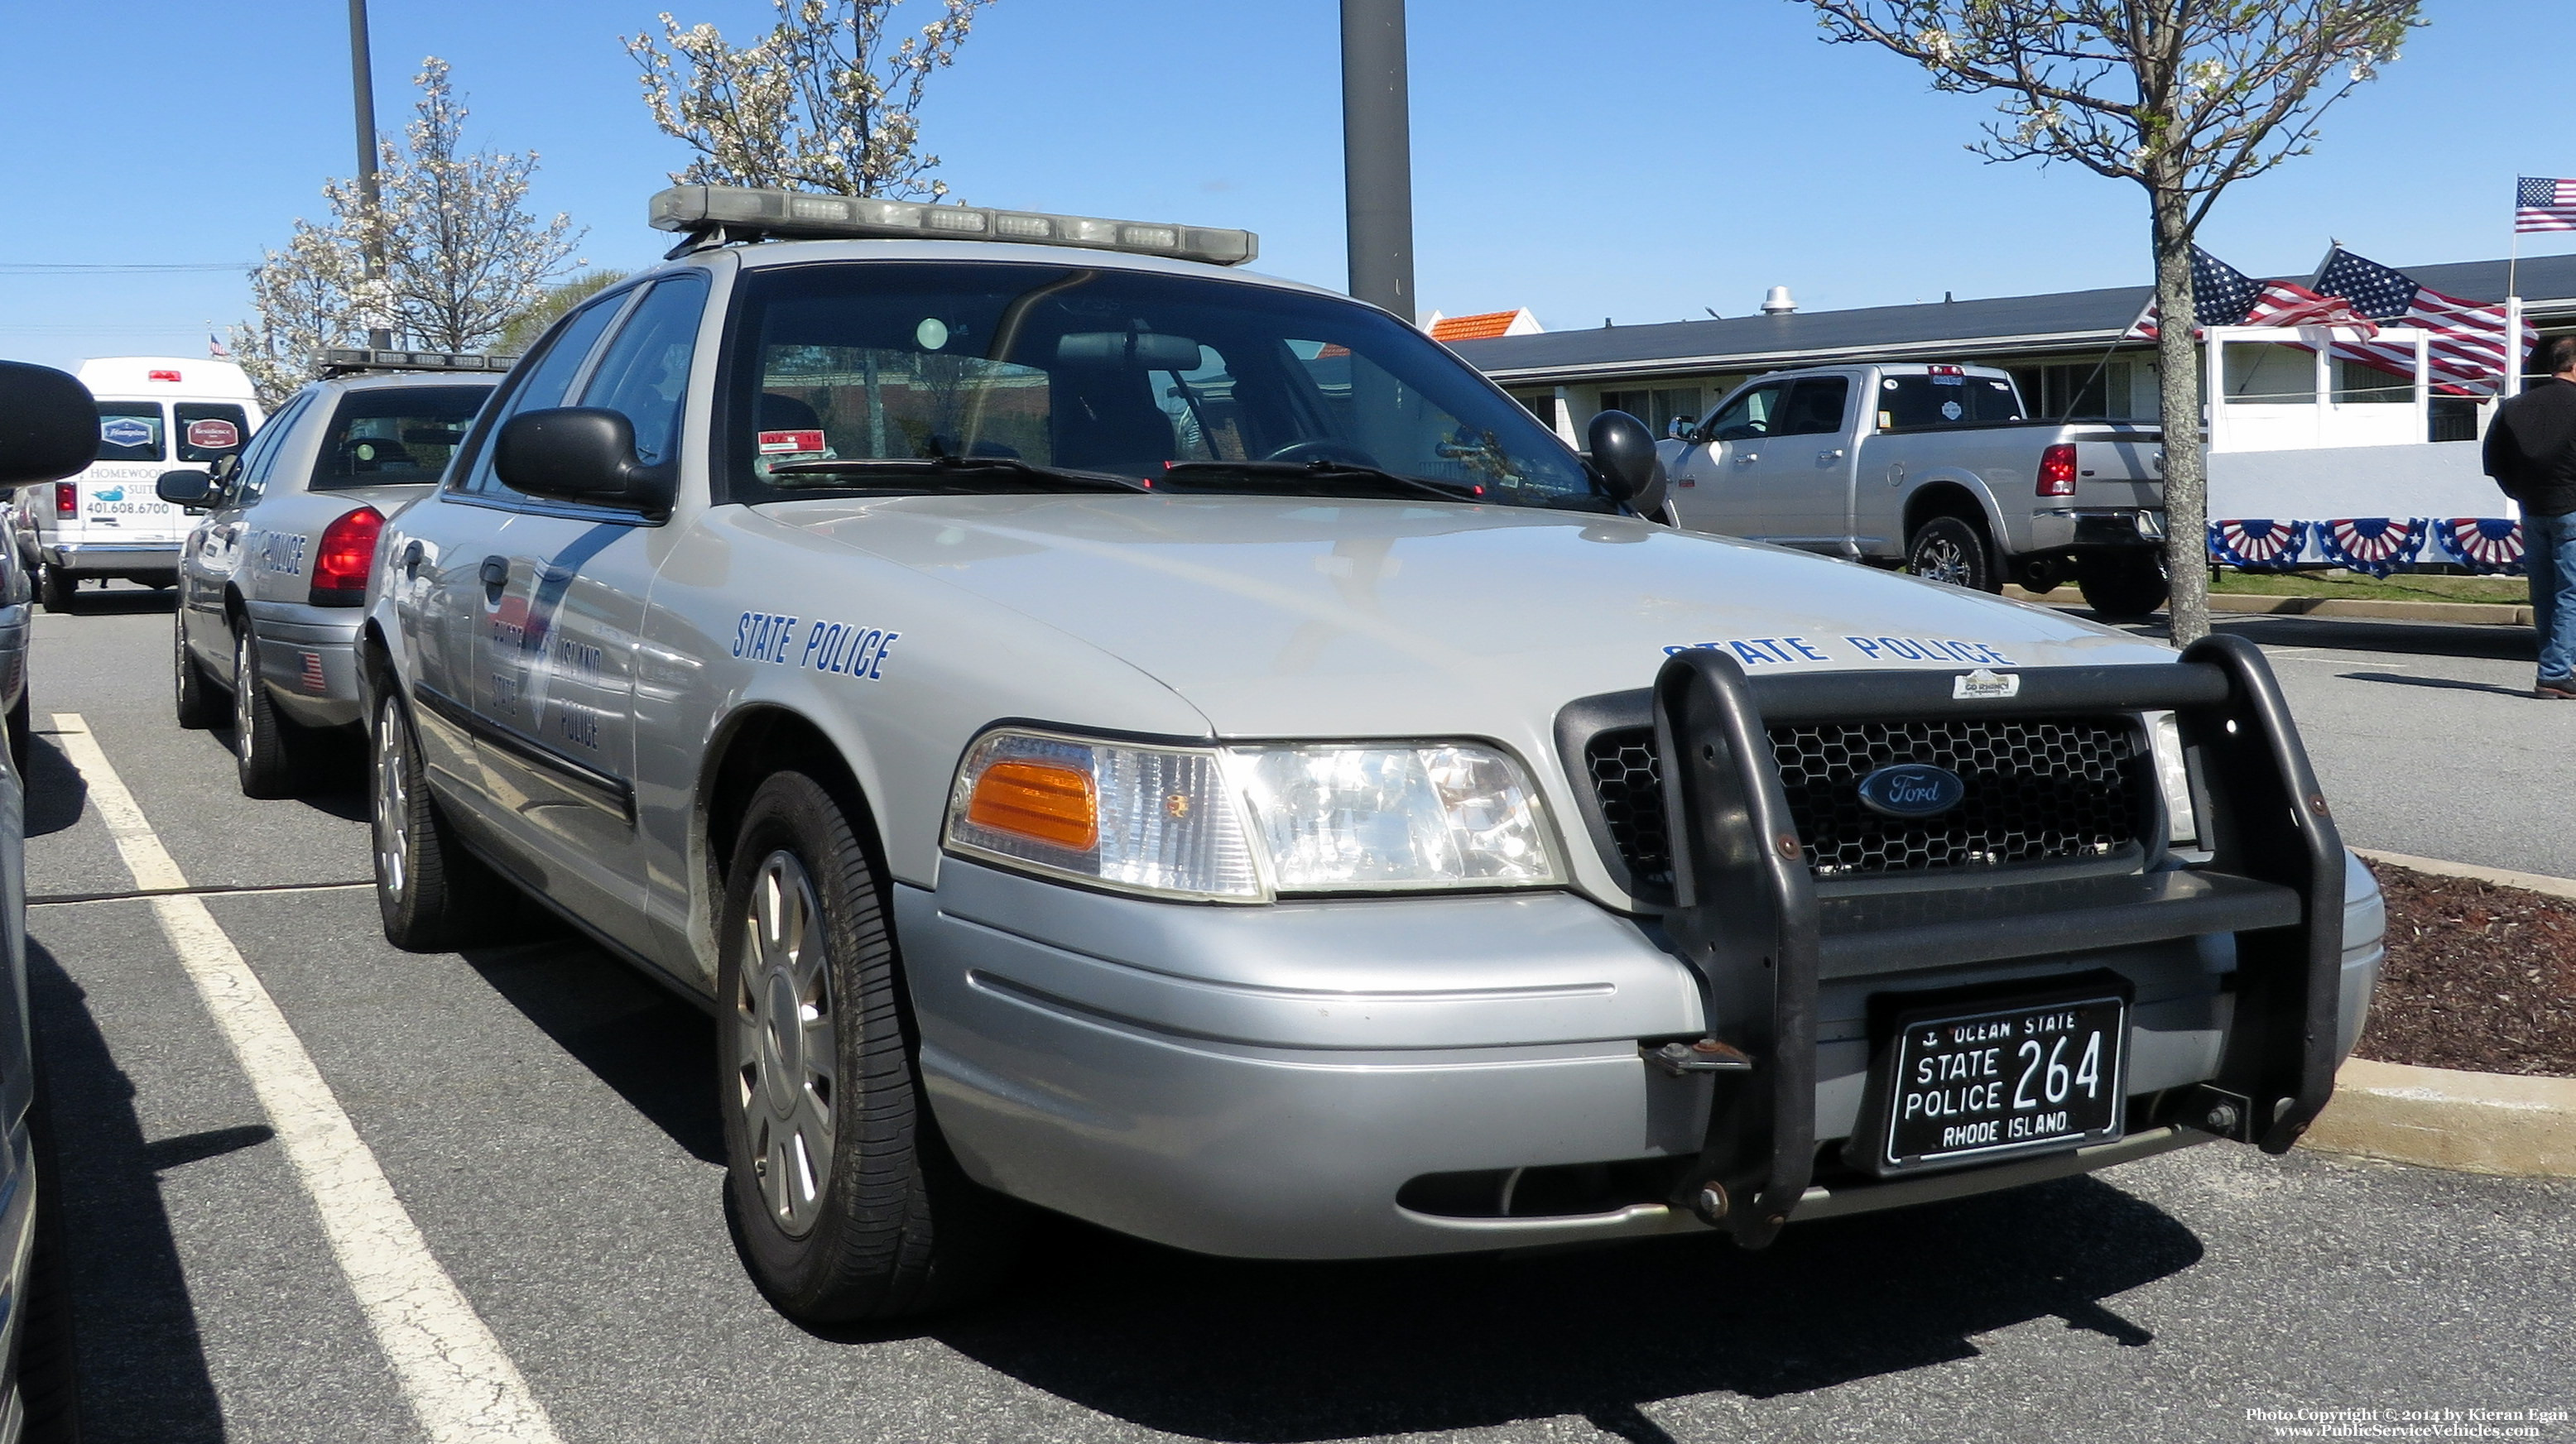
<point x="1108" y="732"/>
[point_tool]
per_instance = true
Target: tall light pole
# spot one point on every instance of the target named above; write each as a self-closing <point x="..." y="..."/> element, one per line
<point x="1377" y="153"/>
<point x="362" y="82"/>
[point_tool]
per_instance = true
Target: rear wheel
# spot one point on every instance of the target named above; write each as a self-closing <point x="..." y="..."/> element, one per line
<point x="848" y="1202"/>
<point x="199" y="705"/>
<point x="1949" y="550"/>
<point x="432" y="895"/>
<point x="268" y="750"/>
<point x="2123" y="586"/>
<point x="54" y="589"/>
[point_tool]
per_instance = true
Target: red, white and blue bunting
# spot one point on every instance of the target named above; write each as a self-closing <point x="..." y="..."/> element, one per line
<point x="2257" y="545"/>
<point x="2481" y="543"/>
<point x="2374" y="544"/>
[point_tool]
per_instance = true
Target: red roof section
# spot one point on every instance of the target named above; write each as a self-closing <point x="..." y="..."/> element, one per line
<point x="1472" y="328"/>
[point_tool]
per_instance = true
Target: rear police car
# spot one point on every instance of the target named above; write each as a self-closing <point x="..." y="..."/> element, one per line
<point x="1176" y="747"/>
<point x="153" y="412"/>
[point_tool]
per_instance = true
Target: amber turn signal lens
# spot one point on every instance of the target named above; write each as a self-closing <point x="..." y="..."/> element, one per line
<point x="1053" y="805"/>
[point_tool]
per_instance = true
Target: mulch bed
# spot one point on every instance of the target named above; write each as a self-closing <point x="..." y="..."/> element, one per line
<point x="2478" y="977"/>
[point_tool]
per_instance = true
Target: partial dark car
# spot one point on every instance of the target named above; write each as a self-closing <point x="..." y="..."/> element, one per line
<point x="48" y="430"/>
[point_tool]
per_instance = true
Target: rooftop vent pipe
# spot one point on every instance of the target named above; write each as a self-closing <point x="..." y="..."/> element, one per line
<point x="1778" y="303"/>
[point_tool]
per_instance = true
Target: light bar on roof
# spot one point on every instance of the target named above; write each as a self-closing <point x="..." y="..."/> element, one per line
<point x="340" y="361"/>
<point x="744" y="211"/>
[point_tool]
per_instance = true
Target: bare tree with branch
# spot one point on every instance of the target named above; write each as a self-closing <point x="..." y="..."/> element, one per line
<point x="2184" y="97"/>
<point x="821" y="103"/>
<point x="304" y="299"/>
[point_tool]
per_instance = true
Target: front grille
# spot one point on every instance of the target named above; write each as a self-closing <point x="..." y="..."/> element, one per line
<point x="2037" y="791"/>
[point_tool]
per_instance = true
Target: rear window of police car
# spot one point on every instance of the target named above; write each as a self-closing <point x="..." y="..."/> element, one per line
<point x="395" y="435"/>
<point x="1944" y="401"/>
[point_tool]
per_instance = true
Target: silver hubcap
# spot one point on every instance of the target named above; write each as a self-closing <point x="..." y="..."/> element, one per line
<point x="1943" y="560"/>
<point x="786" y="1043"/>
<point x="393" y="804"/>
<point x="245" y="680"/>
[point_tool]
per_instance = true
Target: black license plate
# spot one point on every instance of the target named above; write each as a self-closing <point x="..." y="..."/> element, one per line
<point x="1971" y="1084"/>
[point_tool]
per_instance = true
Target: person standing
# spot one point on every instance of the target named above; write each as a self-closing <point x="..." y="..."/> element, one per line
<point x="2531" y="453"/>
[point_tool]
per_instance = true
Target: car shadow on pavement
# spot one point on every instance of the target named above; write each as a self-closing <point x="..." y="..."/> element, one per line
<point x="56" y="792"/>
<point x="2432" y="639"/>
<point x="123" y="601"/>
<point x="1270" y="1353"/>
<point x="2447" y="684"/>
<point x="646" y="1042"/>
<point x="142" y="1362"/>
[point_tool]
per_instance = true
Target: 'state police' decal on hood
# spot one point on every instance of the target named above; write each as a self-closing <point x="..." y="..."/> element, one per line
<point x="1774" y="651"/>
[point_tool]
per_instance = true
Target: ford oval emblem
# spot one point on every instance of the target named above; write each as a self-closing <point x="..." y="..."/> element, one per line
<point x="1912" y="789"/>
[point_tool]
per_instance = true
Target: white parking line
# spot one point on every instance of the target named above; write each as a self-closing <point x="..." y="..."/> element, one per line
<point x="452" y="1371"/>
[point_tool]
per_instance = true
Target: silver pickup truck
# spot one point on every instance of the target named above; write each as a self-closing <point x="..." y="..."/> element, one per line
<point x="1935" y="468"/>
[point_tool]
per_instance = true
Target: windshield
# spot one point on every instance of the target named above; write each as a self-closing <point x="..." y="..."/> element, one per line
<point x="1109" y="371"/>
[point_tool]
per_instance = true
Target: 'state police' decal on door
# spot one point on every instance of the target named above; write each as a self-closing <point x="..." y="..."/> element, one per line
<point x="843" y="648"/>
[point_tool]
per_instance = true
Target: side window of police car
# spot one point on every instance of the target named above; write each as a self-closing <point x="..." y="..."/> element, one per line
<point x="645" y="371"/>
<point x="545" y="380"/>
<point x="250" y="475"/>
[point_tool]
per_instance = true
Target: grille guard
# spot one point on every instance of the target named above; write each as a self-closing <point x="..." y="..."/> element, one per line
<point x="1747" y="917"/>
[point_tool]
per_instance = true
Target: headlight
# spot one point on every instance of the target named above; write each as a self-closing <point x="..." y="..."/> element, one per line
<point x="1240" y="824"/>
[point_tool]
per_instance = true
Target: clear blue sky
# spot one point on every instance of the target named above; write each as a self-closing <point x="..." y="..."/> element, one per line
<point x="1640" y="161"/>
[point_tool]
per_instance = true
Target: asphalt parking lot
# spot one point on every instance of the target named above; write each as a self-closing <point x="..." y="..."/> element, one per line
<point x="546" y="1120"/>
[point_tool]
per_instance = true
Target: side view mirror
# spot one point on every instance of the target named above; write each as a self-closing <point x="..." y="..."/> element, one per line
<point x="584" y="454"/>
<point x="1623" y="455"/>
<point x="48" y="425"/>
<point x="194" y="490"/>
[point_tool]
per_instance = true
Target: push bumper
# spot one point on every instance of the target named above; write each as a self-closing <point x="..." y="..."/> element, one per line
<point x="113" y="559"/>
<point x="309" y="658"/>
<point x="1371" y="1078"/>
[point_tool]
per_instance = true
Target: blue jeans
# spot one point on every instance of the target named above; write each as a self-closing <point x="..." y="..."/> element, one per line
<point x="2549" y="558"/>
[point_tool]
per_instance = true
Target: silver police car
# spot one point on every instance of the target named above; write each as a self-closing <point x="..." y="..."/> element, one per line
<point x="1110" y="732"/>
<point x="271" y="580"/>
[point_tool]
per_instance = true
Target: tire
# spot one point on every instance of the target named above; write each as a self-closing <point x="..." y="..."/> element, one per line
<point x="846" y="1201"/>
<point x="2123" y="586"/>
<point x="1949" y="550"/>
<point x="48" y="1354"/>
<point x="268" y="750"/>
<point x="54" y="589"/>
<point x="432" y="895"/>
<point x="199" y="704"/>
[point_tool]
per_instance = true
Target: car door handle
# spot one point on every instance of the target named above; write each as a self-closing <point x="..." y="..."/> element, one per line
<point x="1834" y="455"/>
<point x="1747" y="458"/>
<point x="496" y="572"/>
<point x="411" y="554"/>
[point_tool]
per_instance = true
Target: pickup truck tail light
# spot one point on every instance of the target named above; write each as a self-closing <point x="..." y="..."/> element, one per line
<point x="341" y="564"/>
<point x="2057" y="470"/>
<point x="67" y="498"/>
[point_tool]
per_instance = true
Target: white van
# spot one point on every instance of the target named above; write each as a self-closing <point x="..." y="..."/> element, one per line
<point x="155" y="413"/>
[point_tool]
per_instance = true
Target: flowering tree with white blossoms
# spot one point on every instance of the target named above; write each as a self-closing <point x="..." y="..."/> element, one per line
<point x="461" y="258"/>
<point x="2184" y="97"/>
<point x="821" y="103"/>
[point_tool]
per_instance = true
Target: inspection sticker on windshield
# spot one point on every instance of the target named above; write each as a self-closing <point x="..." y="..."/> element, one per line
<point x="1982" y="685"/>
<point x="775" y="442"/>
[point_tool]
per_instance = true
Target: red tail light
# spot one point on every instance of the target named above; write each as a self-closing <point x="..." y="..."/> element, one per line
<point x="2057" y="470"/>
<point x="67" y="498"/>
<point x="341" y="563"/>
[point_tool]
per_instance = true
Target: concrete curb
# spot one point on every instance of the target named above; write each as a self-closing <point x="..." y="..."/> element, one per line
<point x="2499" y="1123"/>
<point x="2475" y="614"/>
<point x="2502" y="1123"/>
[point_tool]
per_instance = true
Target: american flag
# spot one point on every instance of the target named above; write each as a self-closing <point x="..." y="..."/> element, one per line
<point x="2540" y="204"/>
<point x="2222" y="295"/>
<point x="2469" y="349"/>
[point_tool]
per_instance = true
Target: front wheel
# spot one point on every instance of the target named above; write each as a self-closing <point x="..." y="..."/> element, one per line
<point x="2123" y="586"/>
<point x="1949" y="550"/>
<point x="848" y="1202"/>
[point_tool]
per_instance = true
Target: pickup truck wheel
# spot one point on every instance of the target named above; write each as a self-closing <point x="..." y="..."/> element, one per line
<point x="54" y="589"/>
<point x="1946" y="549"/>
<point x="846" y="1202"/>
<point x="198" y="704"/>
<point x="2123" y="586"/>
<point x="432" y="895"/>
<point x="268" y="750"/>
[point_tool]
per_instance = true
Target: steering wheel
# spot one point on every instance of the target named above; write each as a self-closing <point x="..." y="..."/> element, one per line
<point x="1322" y="450"/>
